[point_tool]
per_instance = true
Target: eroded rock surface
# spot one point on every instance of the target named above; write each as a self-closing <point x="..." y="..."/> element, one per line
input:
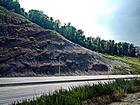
<point x="26" y="49"/>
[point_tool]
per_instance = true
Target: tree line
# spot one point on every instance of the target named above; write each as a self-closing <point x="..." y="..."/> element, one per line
<point x="70" y="32"/>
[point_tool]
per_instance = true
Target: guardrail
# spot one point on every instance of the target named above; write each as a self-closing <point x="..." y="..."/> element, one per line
<point x="63" y="81"/>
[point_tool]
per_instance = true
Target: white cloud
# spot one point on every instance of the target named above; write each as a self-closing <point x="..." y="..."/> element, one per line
<point x="81" y="13"/>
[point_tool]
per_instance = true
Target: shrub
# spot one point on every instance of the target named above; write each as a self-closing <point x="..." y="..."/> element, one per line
<point x="48" y="40"/>
<point x="117" y="95"/>
<point x="32" y="38"/>
<point x="17" y="48"/>
<point x="61" y="43"/>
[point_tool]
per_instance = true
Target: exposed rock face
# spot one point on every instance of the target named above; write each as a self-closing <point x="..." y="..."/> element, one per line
<point x="28" y="50"/>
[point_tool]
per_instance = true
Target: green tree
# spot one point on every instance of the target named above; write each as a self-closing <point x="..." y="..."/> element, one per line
<point x="116" y="51"/>
<point x="132" y="50"/>
<point x="125" y="47"/>
<point x="103" y="46"/>
<point x="120" y="49"/>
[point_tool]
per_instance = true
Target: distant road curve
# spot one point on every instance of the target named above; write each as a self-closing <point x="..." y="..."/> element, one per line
<point x="29" y="87"/>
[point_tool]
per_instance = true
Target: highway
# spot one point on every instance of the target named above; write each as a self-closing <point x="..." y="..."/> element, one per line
<point x="43" y="85"/>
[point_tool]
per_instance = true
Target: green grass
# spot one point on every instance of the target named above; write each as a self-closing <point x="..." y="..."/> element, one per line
<point x="97" y="93"/>
<point x="121" y="68"/>
<point x="132" y="61"/>
<point x="19" y="30"/>
<point x="3" y="10"/>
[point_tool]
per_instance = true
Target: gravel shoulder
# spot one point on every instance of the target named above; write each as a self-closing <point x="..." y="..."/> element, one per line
<point x="130" y="99"/>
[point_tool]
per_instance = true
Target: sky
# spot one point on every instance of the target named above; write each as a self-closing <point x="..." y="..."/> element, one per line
<point x="117" y="20"/>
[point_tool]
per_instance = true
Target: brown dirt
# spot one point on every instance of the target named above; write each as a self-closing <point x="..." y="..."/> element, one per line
<point x="130" y="99"/>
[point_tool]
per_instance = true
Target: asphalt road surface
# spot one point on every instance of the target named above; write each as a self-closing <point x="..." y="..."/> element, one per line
<point x="9" y="94"/>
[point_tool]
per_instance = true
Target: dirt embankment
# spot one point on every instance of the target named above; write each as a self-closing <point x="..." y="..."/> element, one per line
<point x="26" y="49"/>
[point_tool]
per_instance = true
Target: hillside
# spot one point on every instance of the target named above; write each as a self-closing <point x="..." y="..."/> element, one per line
<point x="26" y="49"/>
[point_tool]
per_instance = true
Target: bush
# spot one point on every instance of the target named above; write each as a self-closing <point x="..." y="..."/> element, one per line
<point x="32" y="38"/>
<point x="48" y="41"/>
<point x="17" y="48"/>
<point x="61" y="43"/>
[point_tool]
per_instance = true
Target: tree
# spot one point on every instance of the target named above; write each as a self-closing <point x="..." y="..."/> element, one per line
<point x="120" y="49"/>
<point x="132" y="50"/>
<point x="125" y="48"/>
<point x="116" y="51"/>
<point x="15" y="5"/>
<point x="56" y="25"/>
<point x="103" y="46"/>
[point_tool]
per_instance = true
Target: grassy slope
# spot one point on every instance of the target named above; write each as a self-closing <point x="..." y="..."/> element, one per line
<point x="133" y="62"/>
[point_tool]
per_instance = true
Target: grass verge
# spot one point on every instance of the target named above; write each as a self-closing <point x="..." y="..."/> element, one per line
<point x="99" y="94"/>
<point x="133" y="62"/>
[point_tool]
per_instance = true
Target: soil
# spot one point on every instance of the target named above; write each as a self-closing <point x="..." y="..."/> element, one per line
<point x="130" y="99"/>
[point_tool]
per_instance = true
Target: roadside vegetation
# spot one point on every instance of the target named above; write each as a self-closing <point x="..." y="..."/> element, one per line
<point x="134" y="62"/>
<point x="98" y="94"/>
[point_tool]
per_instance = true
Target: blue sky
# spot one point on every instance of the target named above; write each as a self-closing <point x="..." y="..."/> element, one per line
<point x="110" y="19"/>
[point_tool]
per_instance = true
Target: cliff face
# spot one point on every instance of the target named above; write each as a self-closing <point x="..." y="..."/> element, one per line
<point x="26" y="49"/>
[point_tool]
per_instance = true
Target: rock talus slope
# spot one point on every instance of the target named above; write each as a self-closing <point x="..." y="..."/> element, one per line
<point x="26" y="49"/>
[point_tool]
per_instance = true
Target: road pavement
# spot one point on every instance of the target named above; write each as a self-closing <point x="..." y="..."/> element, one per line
<point x="9" y="94"/>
